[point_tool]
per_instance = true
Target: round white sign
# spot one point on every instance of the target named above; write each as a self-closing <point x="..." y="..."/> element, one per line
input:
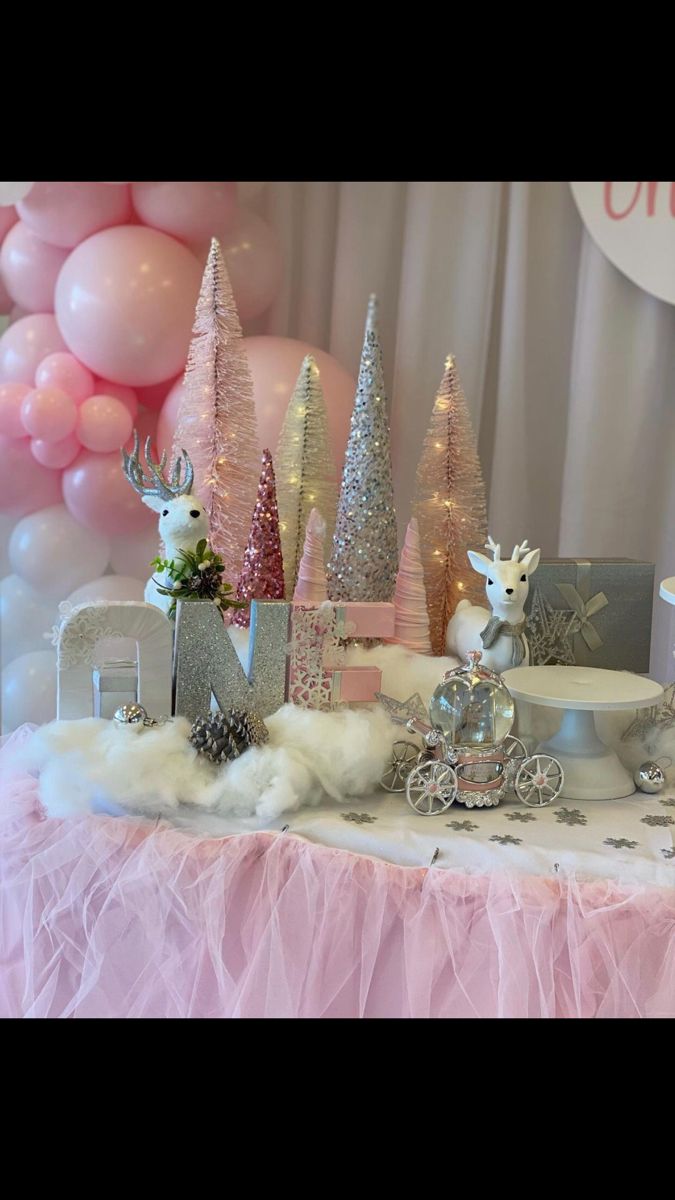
<point x="634" y="225"/>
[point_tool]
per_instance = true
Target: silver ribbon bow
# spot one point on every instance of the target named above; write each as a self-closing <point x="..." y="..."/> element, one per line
<point x="584" y="608"/>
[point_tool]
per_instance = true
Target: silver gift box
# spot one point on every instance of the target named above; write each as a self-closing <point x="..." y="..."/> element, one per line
<point x="593" y="612"/>
<point x="114" y="683"/>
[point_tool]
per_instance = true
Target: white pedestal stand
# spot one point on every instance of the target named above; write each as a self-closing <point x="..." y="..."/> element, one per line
<point x="667" y="590"/>
<point x="592" y="770"/>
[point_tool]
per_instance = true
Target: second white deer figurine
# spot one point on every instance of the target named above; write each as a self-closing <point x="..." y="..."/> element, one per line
<point x="498" y="634"/>
<point x="182" y="519"/>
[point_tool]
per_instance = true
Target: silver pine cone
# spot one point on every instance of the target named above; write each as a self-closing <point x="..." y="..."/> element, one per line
<point x="224" y="736"/>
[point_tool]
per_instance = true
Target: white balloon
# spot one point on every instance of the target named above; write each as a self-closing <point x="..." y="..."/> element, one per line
<point x="25" y="617"/>
<point x="249" y="191"/>
<point x="110" y="587"/>
<point x="132" y="554"/>
<point x="6" y="527"/>
<point x="11" y="193"/>
<point x="29" y="690"/>
<point x="49" y="550"/>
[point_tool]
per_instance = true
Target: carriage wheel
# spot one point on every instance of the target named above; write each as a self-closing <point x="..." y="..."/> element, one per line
<point x="539" y="780"/>
<point x="404" y="755"/>
<point x="514" y="748"/>
<point x="431" y="788"/>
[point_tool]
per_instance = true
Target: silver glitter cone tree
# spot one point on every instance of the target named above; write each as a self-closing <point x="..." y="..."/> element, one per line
<point x="305" y="471"/>
<point x="216" y="418"/>
<point x="364" y="558"/>
<point x="372" y="315"/>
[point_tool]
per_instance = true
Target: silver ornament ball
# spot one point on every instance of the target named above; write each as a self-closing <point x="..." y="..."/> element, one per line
<point x="130" y="714"/>
<point x="650" y="777"/>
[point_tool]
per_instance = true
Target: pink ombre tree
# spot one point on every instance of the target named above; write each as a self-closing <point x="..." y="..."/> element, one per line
<point x="410" y="601"/>
<point x="311" y="586"/>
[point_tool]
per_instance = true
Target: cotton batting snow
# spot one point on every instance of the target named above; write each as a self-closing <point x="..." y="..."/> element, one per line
<point x="311" y="756"/>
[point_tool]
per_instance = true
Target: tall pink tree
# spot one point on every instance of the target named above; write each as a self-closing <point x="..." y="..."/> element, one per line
<point x="216" y="419"/>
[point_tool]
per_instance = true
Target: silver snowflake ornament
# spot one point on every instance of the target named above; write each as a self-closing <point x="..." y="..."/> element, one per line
<point x="570" y="816"/>
<point x="402" y="711"/>
<point x="550" y="632"/>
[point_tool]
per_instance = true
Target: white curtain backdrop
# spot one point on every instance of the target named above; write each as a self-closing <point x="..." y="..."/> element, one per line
<point x="567" y="366"/>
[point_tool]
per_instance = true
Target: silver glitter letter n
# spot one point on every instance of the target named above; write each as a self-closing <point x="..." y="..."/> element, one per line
<point x="205" y="660"/>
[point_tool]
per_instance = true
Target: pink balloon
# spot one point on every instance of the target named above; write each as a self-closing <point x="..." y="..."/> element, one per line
<point x="6" y="302"/>
<point x="26" y="485"/>
<point x="254" y="263"/>
<point x="11" y="398"/>
<point x="103" y="424"/>
<point x="55" y="454"/>
<point x="146" y="427"/>
<point x="17" y="313"/>
<point x="65" y="372"/>
<point x="48" y="413"/>
<point x="103" y="387"/>
<point x="154" y="397"/>
<point x="125" y="302"/>
<point x="98" y="495"/>
<point x="30" y="267"/>
<point x="8" y="217"/>
<point x="24" y="345"/>
<point x="66" y="213"/>
<point x="168" y="417"/>
<point x="193" y="212"/>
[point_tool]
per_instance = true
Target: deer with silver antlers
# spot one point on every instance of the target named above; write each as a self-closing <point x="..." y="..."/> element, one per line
<point x="182" y="519"/>
<point x="499" y="634"/>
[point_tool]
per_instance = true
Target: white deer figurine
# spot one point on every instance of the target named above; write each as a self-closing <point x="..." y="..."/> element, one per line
<point x="182" y="522"/>
<point x="499" y="634"/>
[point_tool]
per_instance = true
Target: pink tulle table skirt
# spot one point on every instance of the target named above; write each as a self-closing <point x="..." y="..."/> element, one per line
<point x="106" y="917"/>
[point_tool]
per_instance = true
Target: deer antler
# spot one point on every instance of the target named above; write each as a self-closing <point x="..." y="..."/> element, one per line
<point x="519" y="551"/>
<point x="155" y="484"/>
<point x="494" y="547"/>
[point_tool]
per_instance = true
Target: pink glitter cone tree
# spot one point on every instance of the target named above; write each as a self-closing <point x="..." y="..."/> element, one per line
<point x="311" y="586"/>
<point x="262" y="575"/>
<point x="410" y="601"/>
<point x="216" y="419"/>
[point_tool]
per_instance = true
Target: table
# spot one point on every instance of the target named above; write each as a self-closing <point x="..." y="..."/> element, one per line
<point x="213" y="917"/>
<point x="592" y="769"/>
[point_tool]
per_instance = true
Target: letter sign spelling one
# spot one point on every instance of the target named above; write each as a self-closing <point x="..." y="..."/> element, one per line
<point x="206" y="662"/>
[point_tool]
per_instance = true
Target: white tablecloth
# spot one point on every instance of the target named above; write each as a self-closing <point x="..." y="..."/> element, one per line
<point x="631" y="840"/>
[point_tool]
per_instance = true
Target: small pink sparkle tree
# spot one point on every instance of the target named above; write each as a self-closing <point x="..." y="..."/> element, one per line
<point x="262" y="575"/>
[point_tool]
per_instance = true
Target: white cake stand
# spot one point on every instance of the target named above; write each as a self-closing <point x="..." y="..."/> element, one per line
<point x="667" y="590"/>
<point x="592" y="770"/>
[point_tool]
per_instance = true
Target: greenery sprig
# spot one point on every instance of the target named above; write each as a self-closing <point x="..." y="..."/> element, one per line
<point x="197" y="575"/>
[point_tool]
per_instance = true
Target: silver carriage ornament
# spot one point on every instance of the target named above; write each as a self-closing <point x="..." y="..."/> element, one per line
<point x="468" y="752"/>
